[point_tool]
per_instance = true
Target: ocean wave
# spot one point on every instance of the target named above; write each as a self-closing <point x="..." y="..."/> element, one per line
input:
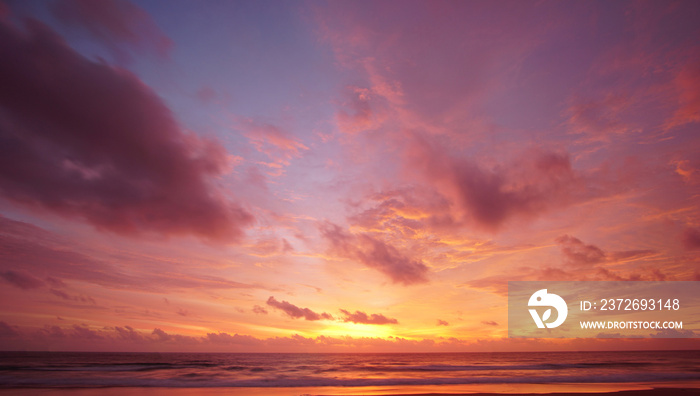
<point x="44" y="369"/>
<point x="200" y="381"/>
<point x="481" y="367"/>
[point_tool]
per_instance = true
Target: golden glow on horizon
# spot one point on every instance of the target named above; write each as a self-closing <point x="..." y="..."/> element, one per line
<point x="358" y="330"/>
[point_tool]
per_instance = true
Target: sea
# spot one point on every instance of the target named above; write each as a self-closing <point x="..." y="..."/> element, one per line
<point x="33" y="370"/>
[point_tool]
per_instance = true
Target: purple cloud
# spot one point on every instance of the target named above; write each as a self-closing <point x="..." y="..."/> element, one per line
<point x="93" y="142"/>
<point x="21" y="279"/>
<point x="259" y="310"/>
<point x="578" y="253"/>
<point x="531" y="184"/>
<point x="118" y="24"/>
<point x="691" y="238"/>
<point x="361" y="317"/>
<point x="375" y="254"/>
<point x="296" y="312"/>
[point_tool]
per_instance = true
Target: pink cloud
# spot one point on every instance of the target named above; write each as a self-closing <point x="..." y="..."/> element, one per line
<point x="54" y="332"/>
<point x="55" y="282"/>
<point x="688" y="170"/>
<point x="175" y="339"/>
<point x="259" y="310"/>
<point x="361" y="317"/>
<point x="600" y="119"/>
<point x="578" y="253"/>
<point x="275" y="142"/>
<point x="488" y="197"/>
<point x="85" y="333"/>
<point x="687" y="83"/>
<point x="582" y="262"/>
<point x="21" y="279"/>
<point x="236" y="339"/>
<point x="7" y="331"/>
<point x="360" y="112"/>
<point x="66" y="296"/>
<point x="118" y="24"/>
<point x="691" y="238"/>
<point x="296" y="312"/>
<point x="375" y="254"/>
<point x="395" y="50"/>
<point x="270" y="246"/>
<point x="129" y="334"/>
<point x="127" y="338"/>
<point x="43" y="254"/>
<point x="404" y="210"/>
<point x="90" y="141"/>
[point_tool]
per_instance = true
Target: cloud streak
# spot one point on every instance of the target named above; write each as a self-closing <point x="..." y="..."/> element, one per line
<point x="43" y="254"/>
<point x="295" y="312"/>
<point x="275" y="142"/>
<point x="363" y="318"/>
<point x="21" y="279"/>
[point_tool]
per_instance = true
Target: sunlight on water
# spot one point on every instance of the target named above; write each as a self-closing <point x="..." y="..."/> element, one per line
<point x="338" y="373"/>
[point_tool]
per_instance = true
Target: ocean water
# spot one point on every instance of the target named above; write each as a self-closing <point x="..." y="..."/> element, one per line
<point x="204" y="370"/>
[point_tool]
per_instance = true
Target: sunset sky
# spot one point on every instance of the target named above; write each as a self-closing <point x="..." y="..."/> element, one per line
<point x="337" y="176"/>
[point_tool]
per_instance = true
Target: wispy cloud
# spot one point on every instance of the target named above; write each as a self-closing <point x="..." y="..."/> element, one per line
<point x="44" y="257"/>
<point x="578" y="253"/>
<point x="375" y="254"/>
<point x="21" y="279"/>
<point x="274" y="141"/>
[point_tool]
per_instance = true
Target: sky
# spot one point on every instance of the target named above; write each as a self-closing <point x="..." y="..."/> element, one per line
<point x="311" y="176"/>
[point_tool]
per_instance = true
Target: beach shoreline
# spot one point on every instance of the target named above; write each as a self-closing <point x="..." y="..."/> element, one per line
<point x="601" y="389"/>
